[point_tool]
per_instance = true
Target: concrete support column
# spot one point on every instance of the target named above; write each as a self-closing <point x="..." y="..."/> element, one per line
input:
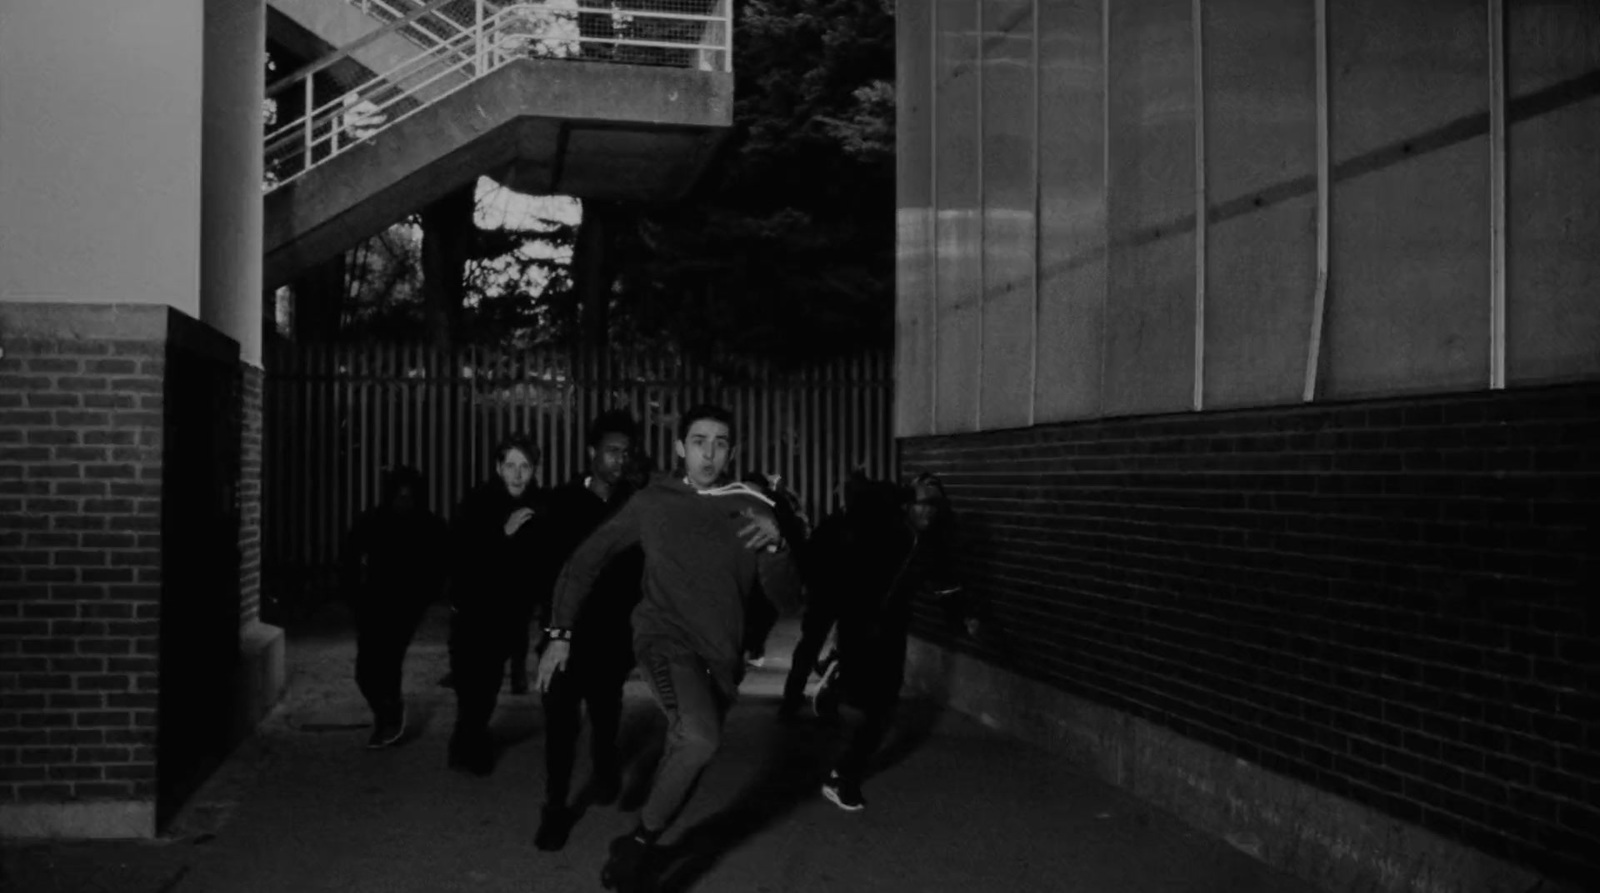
<point x="231" y="172"/>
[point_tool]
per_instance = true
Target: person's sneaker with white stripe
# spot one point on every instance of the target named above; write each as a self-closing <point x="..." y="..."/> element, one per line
<point x="388" y="729"/>
<point x="844" y="793"/>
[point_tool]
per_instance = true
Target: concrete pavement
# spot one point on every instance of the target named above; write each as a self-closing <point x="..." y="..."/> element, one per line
<point x="302" y="807"/>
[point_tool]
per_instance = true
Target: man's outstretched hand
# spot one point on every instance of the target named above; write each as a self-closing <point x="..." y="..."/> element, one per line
<point x="553" y="662"/>
<point x="760" y="531"/>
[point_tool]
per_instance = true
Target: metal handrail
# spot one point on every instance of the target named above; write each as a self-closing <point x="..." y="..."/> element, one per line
<point x="344" y="52"/>
<point x="498" y="37"/>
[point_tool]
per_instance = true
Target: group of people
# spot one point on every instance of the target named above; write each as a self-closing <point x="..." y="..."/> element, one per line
<point x="622" y="568"/>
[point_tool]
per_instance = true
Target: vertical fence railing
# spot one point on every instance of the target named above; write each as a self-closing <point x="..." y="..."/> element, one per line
<point x="338" y="416"/>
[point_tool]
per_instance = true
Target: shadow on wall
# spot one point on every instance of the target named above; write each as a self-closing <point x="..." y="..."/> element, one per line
<point x="968" y="615"/>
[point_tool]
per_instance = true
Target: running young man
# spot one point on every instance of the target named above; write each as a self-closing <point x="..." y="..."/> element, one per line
<point x="705" y="545"/>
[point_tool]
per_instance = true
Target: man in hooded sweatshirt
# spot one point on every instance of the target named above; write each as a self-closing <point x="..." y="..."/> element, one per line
<point x="707" y="546"/>
<point x="897" y="551"/>
<point x="394" y="566"/>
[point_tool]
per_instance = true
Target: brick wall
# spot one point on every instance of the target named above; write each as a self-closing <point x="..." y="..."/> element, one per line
<point x="1390" y="600"/>
<point x="250" y="494"/>
<point x="80" y="541"/>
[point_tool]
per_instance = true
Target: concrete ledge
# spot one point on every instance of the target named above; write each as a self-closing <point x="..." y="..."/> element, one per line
<point x="105" y="819"/>
<point x="1324" y="839"/>
<point x="261" y="676"/>
<point x="85" y="322"/>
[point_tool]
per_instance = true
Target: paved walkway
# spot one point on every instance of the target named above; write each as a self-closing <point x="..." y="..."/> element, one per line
<point x="302" y="807"/>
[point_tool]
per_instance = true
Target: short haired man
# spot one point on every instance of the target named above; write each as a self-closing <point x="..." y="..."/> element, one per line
<point x="706" y="545"/>
<point x="598" y="671"/>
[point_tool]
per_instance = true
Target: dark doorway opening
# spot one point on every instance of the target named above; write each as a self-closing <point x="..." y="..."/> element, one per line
<point x="200" y="600"/>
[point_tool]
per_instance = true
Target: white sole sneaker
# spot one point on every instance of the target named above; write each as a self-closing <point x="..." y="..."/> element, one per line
<point x="399" y="732"/>
<point x="834" y="797"/>
<point x="822" y="695"/>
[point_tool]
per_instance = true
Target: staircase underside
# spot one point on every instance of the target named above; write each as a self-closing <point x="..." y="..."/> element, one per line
<point x="544" y="127"/>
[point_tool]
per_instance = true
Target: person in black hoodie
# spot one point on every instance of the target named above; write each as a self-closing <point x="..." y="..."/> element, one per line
<point x="889" y="552"/>
<point x="492" y="594"/>
<point x="829" y="577"/>
<point x="394" y="567"/>
<point x="597" y="672"/>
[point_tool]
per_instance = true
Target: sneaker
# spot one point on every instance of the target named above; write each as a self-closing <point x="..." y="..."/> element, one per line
<point x="627" y="869"/>
<point x="843" y="793"/>
<point x="824" y="662"/>
<point x="825" y="699"/>
<point x="388" y="730"/>
<point x="555" y="824"/>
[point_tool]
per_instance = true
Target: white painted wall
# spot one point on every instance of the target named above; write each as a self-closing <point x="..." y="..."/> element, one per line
<point x="100" y="151"/>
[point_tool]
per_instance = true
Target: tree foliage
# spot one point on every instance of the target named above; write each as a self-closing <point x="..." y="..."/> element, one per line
<point x="790" y="251"/>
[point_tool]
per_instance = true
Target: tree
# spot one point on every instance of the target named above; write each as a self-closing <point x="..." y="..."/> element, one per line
<point x="790" y="252"/>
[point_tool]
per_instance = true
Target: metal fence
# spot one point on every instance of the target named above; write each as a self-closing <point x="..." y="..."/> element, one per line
<point x="337" y="416"/>
<point x="448" y="44"/>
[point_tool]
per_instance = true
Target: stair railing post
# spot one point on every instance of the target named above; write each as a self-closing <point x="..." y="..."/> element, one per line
<point x="310" y="132"/>
<point x="478" y="41"/>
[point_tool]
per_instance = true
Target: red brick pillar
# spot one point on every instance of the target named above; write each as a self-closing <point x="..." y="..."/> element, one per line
<point x="250" y="494"/>
<point x="80" y="567"/>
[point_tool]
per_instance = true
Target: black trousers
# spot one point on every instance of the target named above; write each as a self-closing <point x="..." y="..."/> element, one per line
<point x="760" y="616"/>
<point x="520" y="645"/>
<point x="480" y="645"/>
<point x="814" y="627"/>
<point x="876" y="721"/>
<point x="872" y="668"/>
<point x="593" y="679"/>
<point x="385" y="625"/>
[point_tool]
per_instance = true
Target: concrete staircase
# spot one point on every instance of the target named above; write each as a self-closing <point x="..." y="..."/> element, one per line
<point x="316" y="28"/>
<point x="542" y="97"/>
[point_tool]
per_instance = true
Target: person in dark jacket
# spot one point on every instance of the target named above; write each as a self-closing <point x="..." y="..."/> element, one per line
<point x="889" y="559"/>
<point x="394" y="567"/>
<point x="705" y="545"/>
<point x="492" y="594"/>
<point x="595" y="675"/>
<point x="868" y="505"/>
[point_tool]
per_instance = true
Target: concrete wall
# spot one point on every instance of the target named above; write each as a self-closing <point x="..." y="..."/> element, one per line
<point x="231" y="171"/>
<point x="1553" y="61"/>
<point x="100" y="151"/>
<point x="1353" y="634"/>
<point x="915" y="315"/>
<point x="1334" y="842"/>
<point x="1050" y="263"/>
